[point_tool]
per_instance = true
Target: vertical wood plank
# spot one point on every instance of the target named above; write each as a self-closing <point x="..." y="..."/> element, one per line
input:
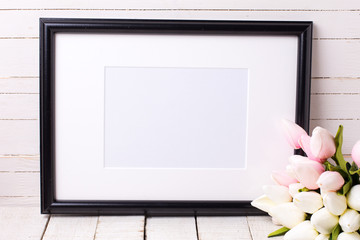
<point x="171" y="228"/>
<point x="260" y="227"/>
<point x="71" y="228"/>
<point x="22" y="223"/>
<point x="223" y="228"/>
<point x="120" y="228"/>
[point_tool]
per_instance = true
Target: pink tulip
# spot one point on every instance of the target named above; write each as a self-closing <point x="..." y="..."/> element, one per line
<point x="330" y="181"/>
<point x="306" y="171"/>
<point x="355" y="153"/>
<point x="305" y="145"/>
<point x="322" y="143"/>
<point x="282" y="178"/>
<point x="293" y="132"/>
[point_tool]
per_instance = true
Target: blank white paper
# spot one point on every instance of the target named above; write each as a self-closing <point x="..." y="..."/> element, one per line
<point x="175" y="117"/>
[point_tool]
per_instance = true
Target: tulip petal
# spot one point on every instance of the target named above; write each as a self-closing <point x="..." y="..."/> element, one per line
<point x="334" y="203"/>
<point x="330" y="181"/>
<point x="324" y="221"/>
<point x="355" y="153"/>
<point x="353" y="197"/>
<point x="305" y="145"/>
<point x="302" y="231"/>
<point x="287" y="214"/>
<point x="350" y="221"/>
<point x="322" y="143"/>
<point x="294" y="188"/>
<point x="323" y="237"/>
<point x="277" y="194"/>
<point x="282" y="178"/>
<point x="263" y="203"/>
<point x="348" y="236"/>
<point x="306" y="171"/>
<point x="308" y="202"/>
<point x="293" y="132"/>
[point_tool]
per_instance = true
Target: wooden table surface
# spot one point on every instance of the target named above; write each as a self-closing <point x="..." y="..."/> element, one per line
<point x="20" y="223"/>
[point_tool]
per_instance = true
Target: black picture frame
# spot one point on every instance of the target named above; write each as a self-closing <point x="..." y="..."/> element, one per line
<point x="48" y="29"/>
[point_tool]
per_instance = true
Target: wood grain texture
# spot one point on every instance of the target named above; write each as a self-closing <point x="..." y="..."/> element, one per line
<point x="120" y="228"/>
<point x="335" y="86"/>
<point x="184" y="4"/>
<point x="347" y="24"/>
<point x="336" y="58"/>
<point x="71" y="228"/>
<point x="19" y="164"/>
<point x="20" y="202"/>
<point x="19" y="85"/>
<point x="19" y="137"/>
<point x="171" y="228"/>
<point x="260" y="227"/>
<point x="22" y="223"/>
<point x="19" y="106"/>
<point x="223" y="228"/>
<point x="19" y="184"/>
<point x="19" y="57"/>
<point x="334" y="106"/>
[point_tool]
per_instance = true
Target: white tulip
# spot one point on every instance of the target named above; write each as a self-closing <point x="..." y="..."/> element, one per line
<point x="334" y="203"/>
<point x="302" y="231"/>
<point x="277" y="193"/>
<point x="287" y="214"/>
<point x="348" y="236"/>
<point x="290" y="171"/>
<point x="275" y="221"/>
<point x="350" y="221"/>
<point x="323" y="237"/>
<point x="263" y="203"/>
<point x="294" y="188"/>
<point x="308" y="202"/>
<point x="324" y="221"/>
<point x="353" y="197"/>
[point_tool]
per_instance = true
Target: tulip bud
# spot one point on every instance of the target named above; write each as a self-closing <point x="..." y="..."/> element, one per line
<point x="282" y="178"/>
<point x="287" y="214"/>
<point x="330" y="181"/>
<point x="275" y="221"/>
<point x="323" y="237"/>
<point x="302" y="231"/>
<point x="353" y="197"/>
<point x="277" y="194"/>
<point x="334" y="203"/>
<point x="322" y="143"/>
<point x="263" y="203"/>
<point x="294" y="188"/>
<point x="308" y="202"/>
<point x="324" y="221"/>
<point x="348" y="236"/>
<point x="305" y="145"/>
<point x="355" y="153"/>
<point x="290" y="171"/>
<point x="306" y="171"/>
<point x="293" y="133"/>
<point x="350" y="221"/>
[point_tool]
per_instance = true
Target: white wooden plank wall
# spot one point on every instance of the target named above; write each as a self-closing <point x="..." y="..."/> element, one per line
<point x="335" y="85"/>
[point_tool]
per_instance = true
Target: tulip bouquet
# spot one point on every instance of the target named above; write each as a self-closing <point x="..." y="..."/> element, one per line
<point x="317" y="197"/>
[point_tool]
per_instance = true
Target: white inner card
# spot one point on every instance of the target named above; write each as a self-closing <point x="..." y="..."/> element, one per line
<point x="264" y="65"/>
<point x="175" y="117"/>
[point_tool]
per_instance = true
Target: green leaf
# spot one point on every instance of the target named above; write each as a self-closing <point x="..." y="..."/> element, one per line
<point x="279" y="232"/>
<point x="354" y="169"/>
<point x="304" y="189"/>
<point x="340" y="161"/>
<point x="335" y="232"/>
<point x="338" y="157"/>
